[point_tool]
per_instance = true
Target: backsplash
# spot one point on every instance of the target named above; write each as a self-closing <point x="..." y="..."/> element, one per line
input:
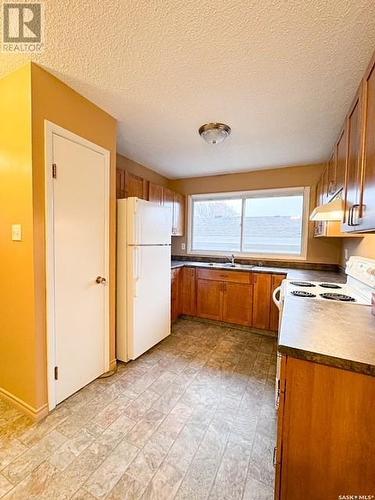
<point x="264" y="262"/>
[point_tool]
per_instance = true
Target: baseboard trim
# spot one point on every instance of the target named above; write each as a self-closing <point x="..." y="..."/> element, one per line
<point x="232" y="326"/>
<point x="35" y="413"/>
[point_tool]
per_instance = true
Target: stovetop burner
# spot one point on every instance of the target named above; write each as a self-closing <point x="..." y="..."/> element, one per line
<point x="302" y="293"/>
<point x="302" y="283"/>
<point x="330" y="285"/>
<point x="337" y="296"/>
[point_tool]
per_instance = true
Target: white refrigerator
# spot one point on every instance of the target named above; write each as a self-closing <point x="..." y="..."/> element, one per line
<point x="143" y="276"/>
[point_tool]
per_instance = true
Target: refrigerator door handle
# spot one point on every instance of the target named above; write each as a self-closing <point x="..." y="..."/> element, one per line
<point x="138" y="231"/>
<point x="137" y="272"/>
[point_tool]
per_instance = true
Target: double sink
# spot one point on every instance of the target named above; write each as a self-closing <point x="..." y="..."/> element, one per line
<point x="230" y="265"/>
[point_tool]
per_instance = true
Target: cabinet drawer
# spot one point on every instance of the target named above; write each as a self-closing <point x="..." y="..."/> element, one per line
<point x="223" y="275"/>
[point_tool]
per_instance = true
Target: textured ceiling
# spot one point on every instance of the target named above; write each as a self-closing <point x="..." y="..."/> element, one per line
<point x="280" y="73"/>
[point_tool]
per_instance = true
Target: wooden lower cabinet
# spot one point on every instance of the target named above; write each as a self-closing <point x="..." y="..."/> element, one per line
<point x="176" y="293"/>
<point x="262" y="300"/>
<point x="237" y="303"/>
<point x="241" y="298"/>
<point x="326" y="429"/>
<point x="209" y="299"/>
<point x="189" y="293"/>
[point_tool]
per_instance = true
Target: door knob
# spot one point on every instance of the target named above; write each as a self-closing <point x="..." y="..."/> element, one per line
<point x="101" y="281"/>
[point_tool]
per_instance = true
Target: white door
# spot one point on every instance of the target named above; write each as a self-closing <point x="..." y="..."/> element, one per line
<point x="79" y="250"/>
<point x="147" y="223"/>
<point x="149" y="297"/>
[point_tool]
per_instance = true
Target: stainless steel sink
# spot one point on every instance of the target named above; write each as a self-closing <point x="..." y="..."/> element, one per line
<point x="230" y="265"/>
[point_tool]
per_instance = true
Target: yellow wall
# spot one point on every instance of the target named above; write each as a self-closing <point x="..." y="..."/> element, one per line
<point x="54" y="101"/>
<point x="365" y="247"/>
<point x="27" y="98"/>
<point x="320" y="250"/>
<point x="17" y="312"/>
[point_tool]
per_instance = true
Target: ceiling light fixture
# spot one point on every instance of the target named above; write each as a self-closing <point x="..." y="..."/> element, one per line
<point x="214" y="133"/>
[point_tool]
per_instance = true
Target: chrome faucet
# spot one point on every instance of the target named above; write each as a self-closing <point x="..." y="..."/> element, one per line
<point x="231" y="260"/>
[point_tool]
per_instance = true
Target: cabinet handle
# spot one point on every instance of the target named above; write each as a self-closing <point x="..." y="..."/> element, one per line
<point x="355" y="206"/>
<point x="274" y="456"/>
<point x="350" y="216"/>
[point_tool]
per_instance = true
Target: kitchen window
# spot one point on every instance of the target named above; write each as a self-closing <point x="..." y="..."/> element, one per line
<point x="271" y="223"/>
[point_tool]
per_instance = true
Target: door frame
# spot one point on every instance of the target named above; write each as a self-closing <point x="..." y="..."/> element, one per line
<point x="51" y="129"/>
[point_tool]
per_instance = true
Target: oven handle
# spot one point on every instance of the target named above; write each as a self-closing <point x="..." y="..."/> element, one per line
<point x="274" y="297"/>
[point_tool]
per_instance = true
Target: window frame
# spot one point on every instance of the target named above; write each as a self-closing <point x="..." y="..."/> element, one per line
<point x="258" y="193"/>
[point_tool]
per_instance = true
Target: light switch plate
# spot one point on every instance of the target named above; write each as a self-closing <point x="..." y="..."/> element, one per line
<point x="16" y="232"/>
<point x="183" y="246"/>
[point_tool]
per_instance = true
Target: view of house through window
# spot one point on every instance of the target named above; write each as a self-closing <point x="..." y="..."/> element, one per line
<point x="271" y="222"/>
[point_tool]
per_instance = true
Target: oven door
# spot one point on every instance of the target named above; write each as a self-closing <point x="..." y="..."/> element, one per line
<point x="278" y="298"/>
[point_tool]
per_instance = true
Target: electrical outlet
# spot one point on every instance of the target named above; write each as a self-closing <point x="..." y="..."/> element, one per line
<point x="183" y="246"/>
<point x="346" y="254"/>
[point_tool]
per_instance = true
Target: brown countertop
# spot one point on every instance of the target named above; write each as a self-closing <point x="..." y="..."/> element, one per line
<point x="331" y="333"/>
<point x="297" y="274"/>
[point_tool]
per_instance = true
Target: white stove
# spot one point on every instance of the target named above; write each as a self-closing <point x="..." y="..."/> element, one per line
<point x="325" y="291"/>
<point x="358" y="289"/>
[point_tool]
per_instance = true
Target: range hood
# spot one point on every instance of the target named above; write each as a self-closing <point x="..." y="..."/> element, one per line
<point x="331" y="211"/>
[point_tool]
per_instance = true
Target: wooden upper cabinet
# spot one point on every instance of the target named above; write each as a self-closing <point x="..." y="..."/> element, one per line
<point x="353" y="176"/>
<point x="176" y="204"/>
<point x="168" y="199"/>
<point x="178" y="214"/>
<point x="331" y="175"/>
<point x="324" y="187"/>
<point x="209" y="299"/>
<point x="237" y="303"/>
<point x="135" y="186"/>
<point x="276" y="281"/>
<point x="120" y="183"/>
<point x="155" y="193"/>
<point x="262" y="300"/>
<point x="367" y="198"/>
<point x="341" y="149"/>
<point x="188" y="291"/>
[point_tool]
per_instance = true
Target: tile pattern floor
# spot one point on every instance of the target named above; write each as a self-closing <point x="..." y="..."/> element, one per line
<point x="191" y="419"/>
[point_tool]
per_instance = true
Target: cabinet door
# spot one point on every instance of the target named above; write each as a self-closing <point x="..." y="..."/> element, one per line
<point x="367" y="200"/>
<point x="331" y="175"/>
<point x="188" y="292"/>
<point x="155" y="193"/>
<point x="168" y="199"/>
<point x="274" y="312"/>
<point x="324" y="454"/>
<point x="325" y="185"/>
<point x="341" y="157"/>
<point x="237" y="303"/>
<point x="209" y="299"/>
<point x="319" y="225"/>
<point x="135" y="186"/>
<point x="262" y="300"/>
<point x="353" y="164"/>
<point x="120" y="183"/>
<point x="175" y="294"/>
<point x="178" y="214"/>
